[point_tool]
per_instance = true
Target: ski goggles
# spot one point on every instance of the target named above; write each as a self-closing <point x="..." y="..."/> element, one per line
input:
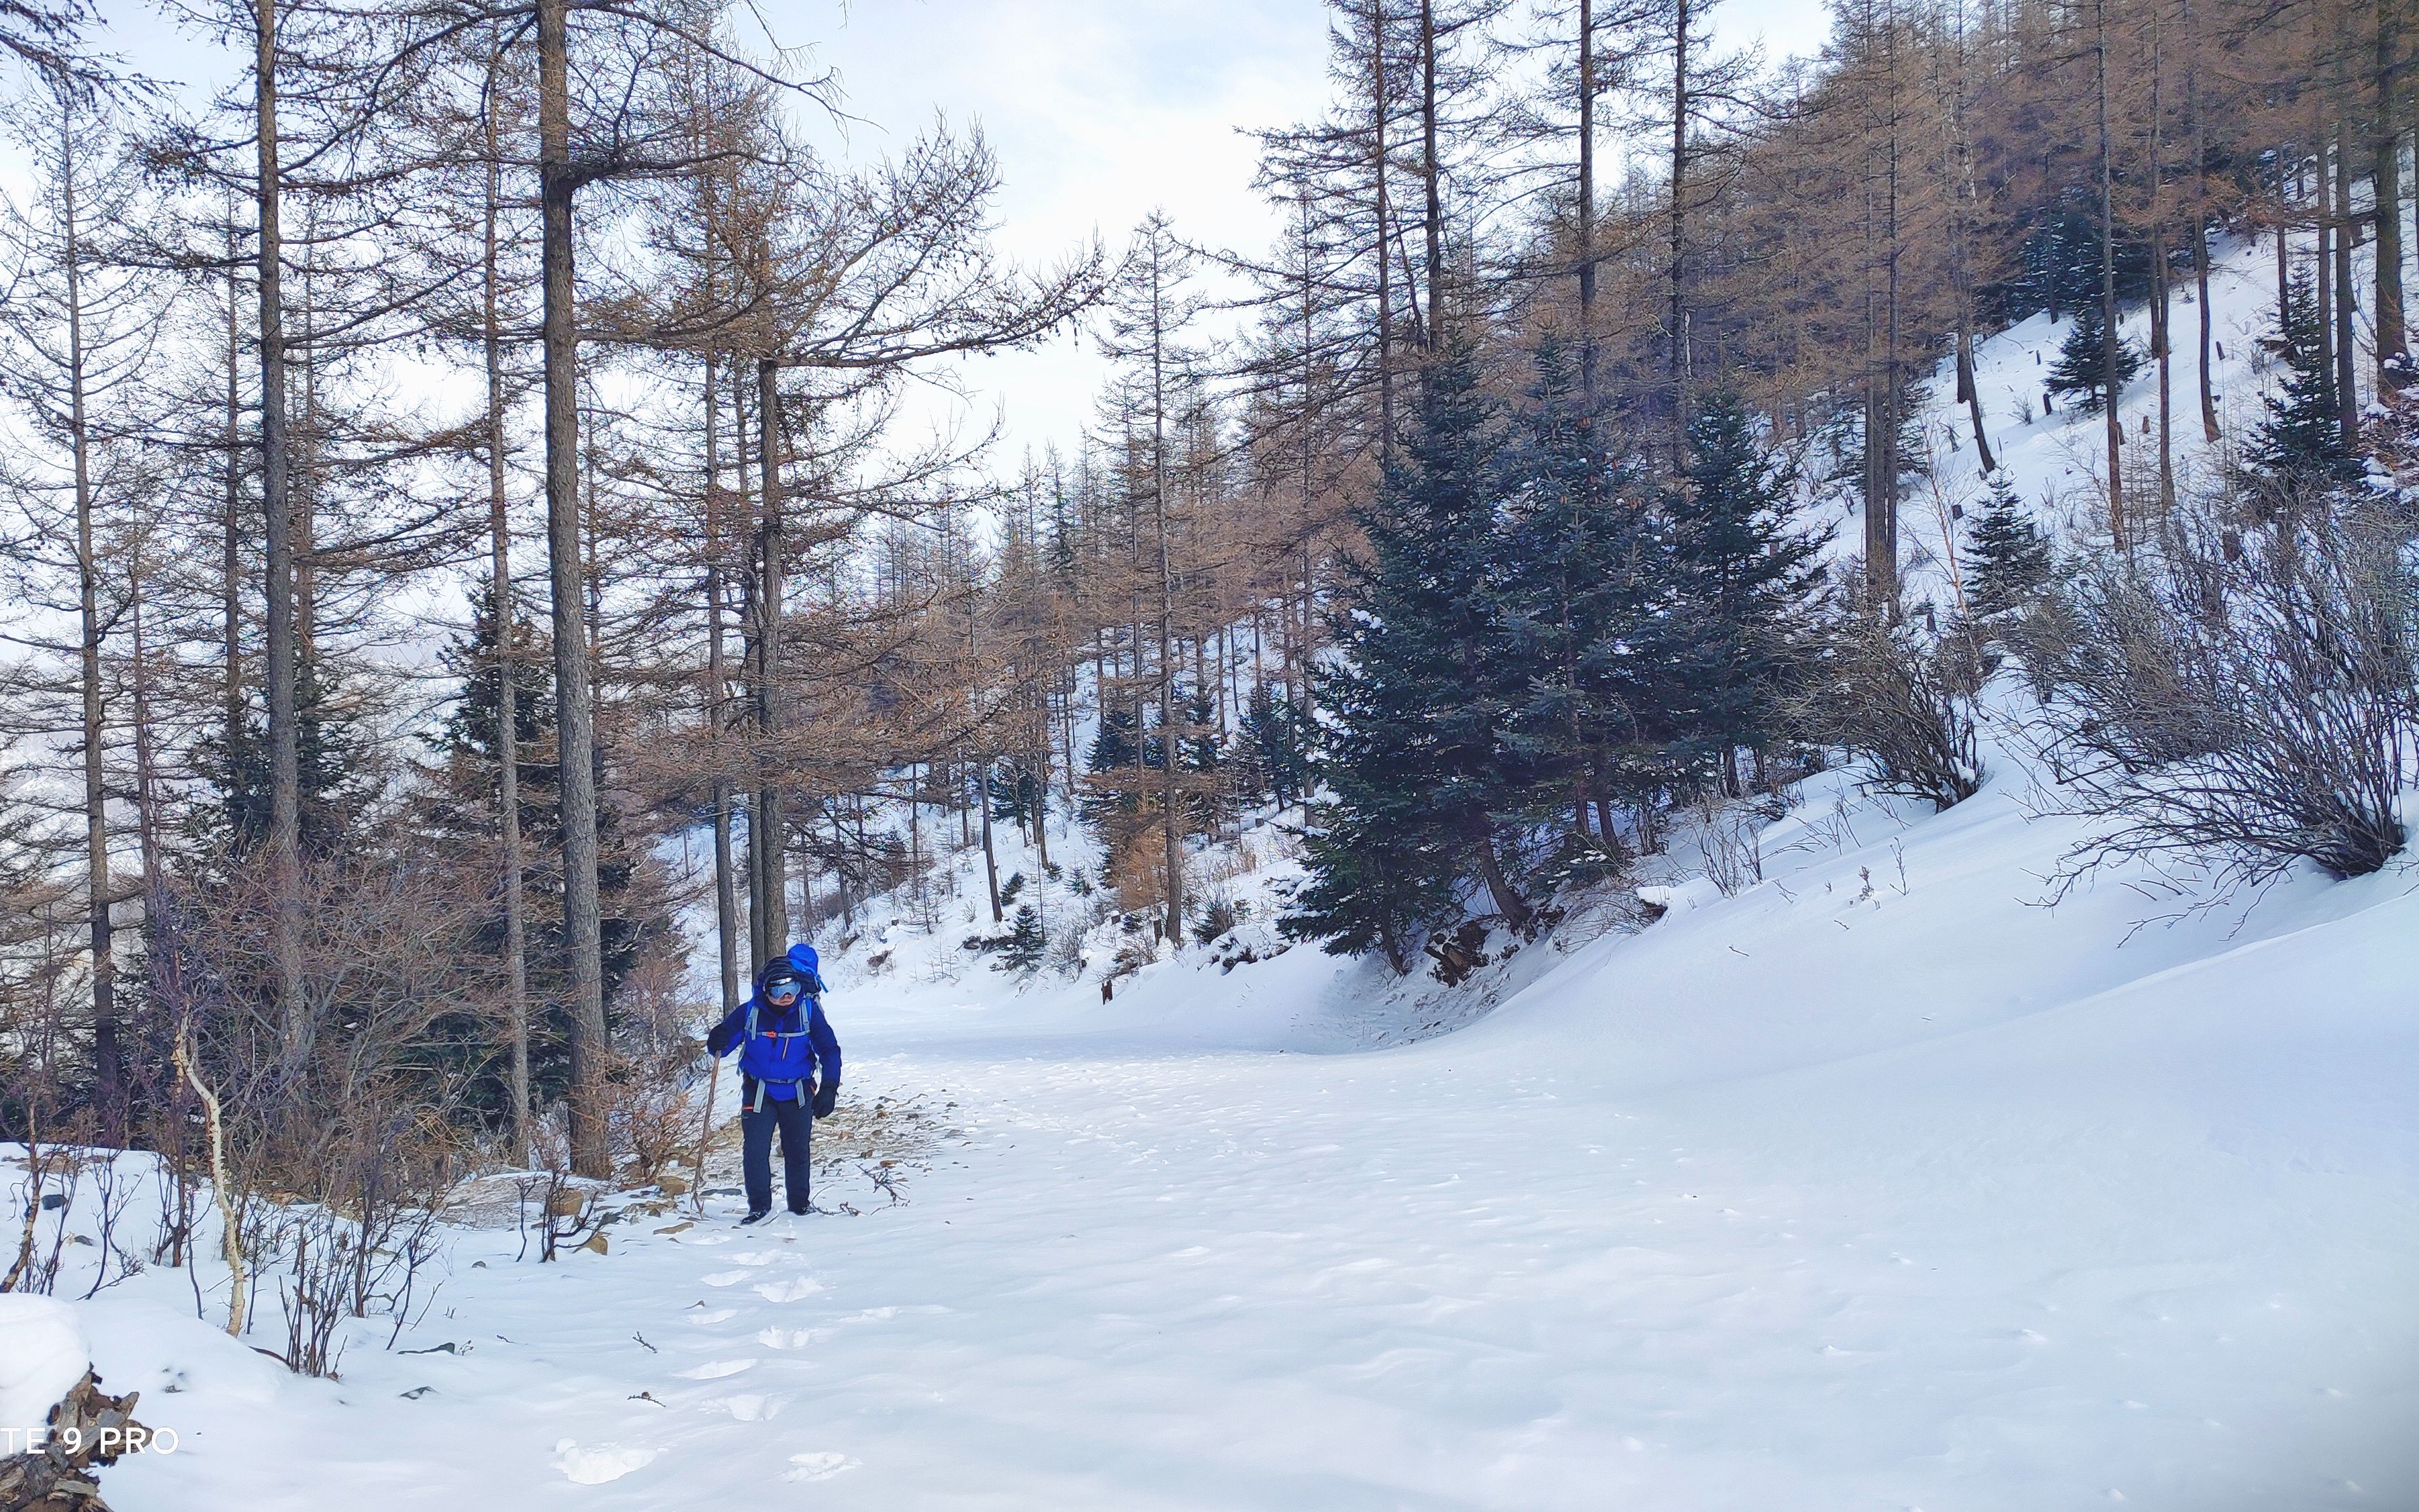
<point x="784" y="988"/>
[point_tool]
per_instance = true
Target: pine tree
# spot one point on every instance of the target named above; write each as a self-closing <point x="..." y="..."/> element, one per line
<point x="2082" y="365"/>
<point x="1421" y="698"/>
<point x="1274" y="736"/>
<point x="2302" y="439"/>
<point x="1198" y="744"/>
<point x="1742" y="581"/>
<point x="459" y="816"/>
<point x="332" y="785"/>
<point x="1375" y="881"/>
<point x="1016" y="795"/>
<point x="2061" y="257"/>
<point x="1110" y="806"/>
<point x="1027" y="943"/>
<point x="2010" y="556"/>
<point x="1582" y="557"/>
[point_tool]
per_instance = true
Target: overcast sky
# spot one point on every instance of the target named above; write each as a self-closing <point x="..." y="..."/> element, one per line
<point x="1099" y="111"/>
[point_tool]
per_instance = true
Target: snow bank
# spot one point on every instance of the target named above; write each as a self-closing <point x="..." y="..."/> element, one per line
<point x="42" y="1355"/>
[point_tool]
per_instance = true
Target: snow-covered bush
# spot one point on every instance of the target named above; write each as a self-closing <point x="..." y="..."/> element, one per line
<point x="2242" y="695"/>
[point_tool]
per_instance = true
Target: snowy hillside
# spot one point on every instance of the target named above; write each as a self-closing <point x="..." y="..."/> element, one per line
<point x="1874" y="1185"/>
<point x="1877" y="1184"/>
<point x="2058" y="458"/>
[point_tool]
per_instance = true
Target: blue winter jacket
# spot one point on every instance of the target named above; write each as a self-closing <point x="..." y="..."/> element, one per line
<point x="789" y="1049"/>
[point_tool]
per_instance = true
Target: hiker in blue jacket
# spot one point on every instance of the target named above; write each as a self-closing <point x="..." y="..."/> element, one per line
<point x="789" y="1064"/>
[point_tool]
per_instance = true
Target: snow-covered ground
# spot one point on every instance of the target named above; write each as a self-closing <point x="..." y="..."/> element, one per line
<point x="1879" y="1184"/>
<point x="1876" y="1185"/>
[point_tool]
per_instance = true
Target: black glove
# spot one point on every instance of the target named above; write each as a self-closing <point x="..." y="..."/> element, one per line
<point x="718" y="1042"/>
<point x="826" y="1098"/>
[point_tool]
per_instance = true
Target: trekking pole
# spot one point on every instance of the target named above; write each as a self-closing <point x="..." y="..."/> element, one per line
<point x="697" y="1181"/>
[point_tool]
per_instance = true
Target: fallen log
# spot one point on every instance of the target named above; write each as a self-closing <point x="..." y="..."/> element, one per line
<point x="88" y="1429"/>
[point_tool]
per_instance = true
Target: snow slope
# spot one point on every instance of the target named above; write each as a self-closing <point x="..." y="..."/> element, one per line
<point x="1877" y="1185"/>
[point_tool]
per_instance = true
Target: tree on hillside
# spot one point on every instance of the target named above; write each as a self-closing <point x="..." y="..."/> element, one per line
<point x="2083" y="361"/>
<point x="2302" y="439"/>
<point x="2007" y="556"/>
<point x="1418" y="708"/>
<point x="1742" y="579"/>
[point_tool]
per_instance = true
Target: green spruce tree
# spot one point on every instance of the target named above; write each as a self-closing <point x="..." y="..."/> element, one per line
<point x="1742" y="581"/>
<point x="2008" y="557"/>
<point x="2082" y="366"/>
<point x="1423" y="691"/>
<point x="1027" y="943"/>
<point x="1274" y="738"/>
<point x="1584" y="568"/>
<point x="458" y="817"/>
<point x="2302" y="440"/>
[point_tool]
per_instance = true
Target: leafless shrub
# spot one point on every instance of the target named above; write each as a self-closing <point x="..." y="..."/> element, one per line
<point x="112" y="1192"/>
<point x="49" y="1186"/>
<point x="2242" y="697"/>
<point x="1730" y="837"/>
<point x="1899" y="699"/>
<point x="654" y="1116"/>
<point x="567" y="1211"/>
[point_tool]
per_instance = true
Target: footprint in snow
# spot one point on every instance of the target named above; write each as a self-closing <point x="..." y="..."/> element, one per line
<point x="751" y="1408"/>
<point x="596" y="1463"/>
<point x="820" y="1464"/>
<point x="716" y="1369"/>
<point x="755" y="1257"/>
<point x="720" y="1314"/>
<point x="786" y="1338"/>
<point x="797" y="1289"/>
<point x="710" y="1238"/>
<point x="726" y="1278"/>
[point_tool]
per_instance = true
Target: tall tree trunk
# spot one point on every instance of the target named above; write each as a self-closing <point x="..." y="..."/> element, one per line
<point x="991" y="857"/>
<point x="1588" y="353"/>
<point x="2162" y="316"/>
<point x="575" y="729"/>
<point x="146" y="768"/>
<point x="2207" y="319"/>
<point x="2114" y="423"/>
<point x="108" y="1067"/>
<point x="2322" y="258"/>
<point x="276" y="503"/>
<point x="510" y="867"/>
<point x="2286" y="186"/>
<point x="2385" y="171"/>
<point x="718" y="675"/>
<point x="1431" y="178"/>
<point x="1971" y="391"/>
<point x="1386" y="246"/>
<point x="770" y="910"/>
<point x="1171" y="823"/>
<point x="1968" y="390"/>
<point x="1676" y="317"/>
<point x="1880" y="429"/>
<point x="231" y="522"/>
<point x="1508" y="902"/>
<point x="2347" y="361"/>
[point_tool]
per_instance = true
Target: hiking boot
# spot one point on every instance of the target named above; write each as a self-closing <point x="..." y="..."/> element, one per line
<point x="756" y="1216"/>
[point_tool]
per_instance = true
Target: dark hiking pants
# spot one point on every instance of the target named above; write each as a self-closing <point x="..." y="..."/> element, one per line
<point x="796" y="1122"/>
